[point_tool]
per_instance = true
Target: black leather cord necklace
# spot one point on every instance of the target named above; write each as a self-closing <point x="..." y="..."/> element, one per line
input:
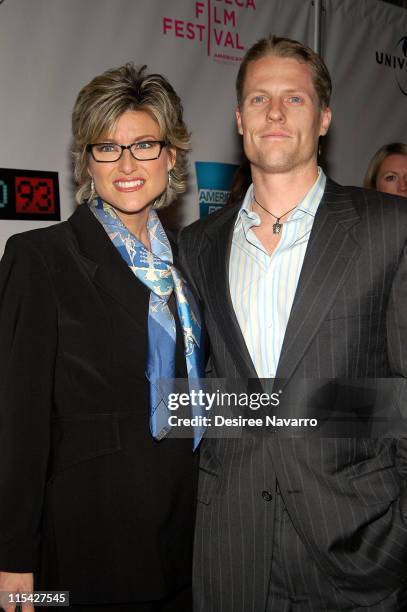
<point x="277" y="225"/>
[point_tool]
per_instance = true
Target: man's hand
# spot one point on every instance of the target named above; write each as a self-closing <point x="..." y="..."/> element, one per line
<point x="16" y="583"/>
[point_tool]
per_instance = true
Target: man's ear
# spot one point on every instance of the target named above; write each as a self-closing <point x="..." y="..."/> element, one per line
<point x="238" y="116"/>
<point x="325" y="121"/>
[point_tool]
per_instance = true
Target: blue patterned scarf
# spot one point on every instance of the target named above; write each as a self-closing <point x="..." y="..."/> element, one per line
<point x="155" y="269"/>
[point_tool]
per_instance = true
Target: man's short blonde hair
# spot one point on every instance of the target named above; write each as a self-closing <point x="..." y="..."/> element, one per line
<point x="276" y="46"/>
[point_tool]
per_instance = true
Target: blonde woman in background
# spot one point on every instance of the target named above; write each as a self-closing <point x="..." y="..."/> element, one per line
<point x="387" y="170"/>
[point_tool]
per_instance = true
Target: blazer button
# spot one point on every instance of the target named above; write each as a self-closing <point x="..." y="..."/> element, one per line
<point x="266" y="495"/>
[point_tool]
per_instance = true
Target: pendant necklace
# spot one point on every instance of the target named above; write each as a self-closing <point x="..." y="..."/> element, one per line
<point x="277" y="225"/>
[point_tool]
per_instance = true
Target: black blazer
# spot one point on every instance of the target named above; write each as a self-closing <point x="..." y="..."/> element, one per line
<point x="89" y="500"/>
<point x="346" y="497"/>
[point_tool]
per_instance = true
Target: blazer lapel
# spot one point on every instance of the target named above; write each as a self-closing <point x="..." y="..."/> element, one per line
<point x="104" y="264"/>
<point x="330" y="255"/>
<point x="214" y="263"/>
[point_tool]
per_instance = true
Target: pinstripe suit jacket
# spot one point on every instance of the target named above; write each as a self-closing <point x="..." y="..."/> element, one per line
<point x="347" y="497"/>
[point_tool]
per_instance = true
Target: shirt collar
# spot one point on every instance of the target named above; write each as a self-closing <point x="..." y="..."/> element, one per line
<point x="309" y="204"/>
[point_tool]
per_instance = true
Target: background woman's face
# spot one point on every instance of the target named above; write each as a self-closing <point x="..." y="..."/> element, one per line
<point x="392" y="175"/>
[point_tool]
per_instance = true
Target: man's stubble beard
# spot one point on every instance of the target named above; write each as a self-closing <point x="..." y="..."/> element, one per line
<point x="276" y="164"/>
<point x="280" y="162"/>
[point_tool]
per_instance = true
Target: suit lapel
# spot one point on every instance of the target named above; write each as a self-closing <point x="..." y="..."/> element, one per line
<point x="214" y="264"/>
<point x="104" y="264"/>
<point x="330" y="255"/>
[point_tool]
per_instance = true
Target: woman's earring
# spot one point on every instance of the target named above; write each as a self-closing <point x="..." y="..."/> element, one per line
<point x="169" y="178"/>
<point x="92" y="194"/>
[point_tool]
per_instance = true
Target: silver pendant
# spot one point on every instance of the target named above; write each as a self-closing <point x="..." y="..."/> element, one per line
<point x="277" y="227"/>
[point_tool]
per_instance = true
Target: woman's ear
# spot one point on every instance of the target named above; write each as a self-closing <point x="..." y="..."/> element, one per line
<point x="172" y="158"/>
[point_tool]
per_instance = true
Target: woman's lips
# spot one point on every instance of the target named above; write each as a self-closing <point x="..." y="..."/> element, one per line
<point x="129" y="184"/>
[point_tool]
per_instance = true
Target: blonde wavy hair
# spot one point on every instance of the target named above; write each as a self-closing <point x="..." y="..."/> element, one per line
<point x="101" y="102"/>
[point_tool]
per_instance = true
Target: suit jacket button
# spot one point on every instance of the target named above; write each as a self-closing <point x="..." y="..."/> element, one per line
<point x="266" y="495"/>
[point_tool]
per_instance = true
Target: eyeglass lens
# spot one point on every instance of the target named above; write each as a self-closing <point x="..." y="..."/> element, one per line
<point x="109" y="151"/>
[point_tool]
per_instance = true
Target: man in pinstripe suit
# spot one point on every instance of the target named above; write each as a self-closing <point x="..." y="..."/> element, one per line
<point x="301" y="278"/>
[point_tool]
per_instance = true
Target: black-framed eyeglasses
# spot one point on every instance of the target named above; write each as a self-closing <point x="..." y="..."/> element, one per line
<point x="144" y="150"/>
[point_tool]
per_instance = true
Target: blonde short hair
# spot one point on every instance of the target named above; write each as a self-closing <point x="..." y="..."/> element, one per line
<point x="277" y="46"/>
<point x="101" y="102"/>
<point x="394" y="148"/>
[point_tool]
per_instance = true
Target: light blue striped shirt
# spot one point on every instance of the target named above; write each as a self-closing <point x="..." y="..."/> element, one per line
<point x="262" y="287"/>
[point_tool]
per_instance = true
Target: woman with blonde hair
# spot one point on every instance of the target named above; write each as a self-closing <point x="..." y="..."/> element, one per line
<point x="93" y="313"/>
<point x="387" y="170"/>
